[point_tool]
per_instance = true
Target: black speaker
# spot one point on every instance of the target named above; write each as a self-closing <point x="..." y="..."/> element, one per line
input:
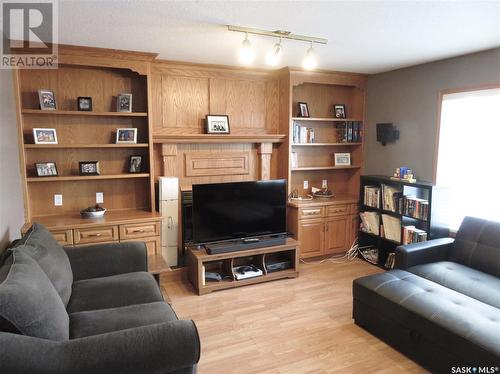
<point x="386" y="133"/>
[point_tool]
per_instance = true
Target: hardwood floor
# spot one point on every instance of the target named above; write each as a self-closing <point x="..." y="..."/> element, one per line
<point x="291" y="326"/>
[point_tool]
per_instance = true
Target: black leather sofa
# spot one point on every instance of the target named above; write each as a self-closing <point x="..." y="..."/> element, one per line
<point x="92" y="309"/>
<point x="441" y="306"/>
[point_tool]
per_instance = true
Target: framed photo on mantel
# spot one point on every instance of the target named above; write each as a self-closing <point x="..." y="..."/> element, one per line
<point x="218" y="124"/>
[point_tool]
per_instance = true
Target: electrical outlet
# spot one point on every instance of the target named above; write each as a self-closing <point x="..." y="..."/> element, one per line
<point x="58" y="200"/>
<point x="99" y="197"/>
<point x="306" y="185"/>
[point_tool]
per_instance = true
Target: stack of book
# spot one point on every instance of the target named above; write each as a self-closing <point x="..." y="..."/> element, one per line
<point x="302" y="134"/>
<point x="369" y="222"/>
<point x="372" y="196"/>
<point x="391" y="228"/>
<point x="413" y="235"/>
<point x="391" y="197"/>
<point x="416" y="208"/>
<point x="391" y="260"/>
<point x="349" y="132"/>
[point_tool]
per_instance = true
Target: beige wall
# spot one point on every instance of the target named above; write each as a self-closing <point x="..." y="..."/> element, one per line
<point x="11" y="200"/>
<point x="409" y="99"/>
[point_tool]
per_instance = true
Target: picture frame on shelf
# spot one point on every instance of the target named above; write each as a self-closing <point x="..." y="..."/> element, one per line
<point x="46" y="169"/>
<point x="217" y="124"/>
<point x="84" y="104"/>
<point x="339" y="111"/>
<point x="342" y="159"/>
<point x="89" y="168"/>
<point x="135" y="164"/>
<point x="303" y="110"/>
<point x="47" y="99"/>
<point x="124" y="102"/>
<point x="45" y="136"/>
<point x="126" y="135"/>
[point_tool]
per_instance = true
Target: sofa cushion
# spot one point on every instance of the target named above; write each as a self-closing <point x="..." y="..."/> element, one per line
<point x="114" y="291"/>
<point x="440" y="311"/>
<point x="94" y="322"/>
<point x="477" y="245"/>
<point x="39" y="243"/>
<point x="29" y="301"/>
<point x="463" y="279"/>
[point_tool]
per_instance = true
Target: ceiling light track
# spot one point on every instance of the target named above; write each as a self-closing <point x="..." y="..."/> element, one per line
<point x="278" y="34"/>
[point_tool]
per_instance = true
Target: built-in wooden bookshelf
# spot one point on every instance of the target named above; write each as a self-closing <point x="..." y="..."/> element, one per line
<point x="89" y="136"/>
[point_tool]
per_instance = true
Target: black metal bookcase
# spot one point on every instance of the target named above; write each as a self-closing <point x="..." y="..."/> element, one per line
<point x="385" y="246"/>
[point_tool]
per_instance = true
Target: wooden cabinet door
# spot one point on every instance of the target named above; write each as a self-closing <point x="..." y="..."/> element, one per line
<point x="336" y="234"/>
<point x="152" y="244"/>
<point x="311" y="237"/>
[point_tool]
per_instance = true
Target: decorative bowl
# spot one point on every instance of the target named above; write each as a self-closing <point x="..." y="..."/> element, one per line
<point x="96" y="214"/>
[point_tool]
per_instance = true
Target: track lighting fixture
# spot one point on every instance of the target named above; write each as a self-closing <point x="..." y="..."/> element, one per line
<point x="274" y="55"/>
<point x="310" y="62"/>
<point x="247" y="53"/>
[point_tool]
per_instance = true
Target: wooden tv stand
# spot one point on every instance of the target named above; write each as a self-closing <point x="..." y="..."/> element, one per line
<point x="223" y="263"/>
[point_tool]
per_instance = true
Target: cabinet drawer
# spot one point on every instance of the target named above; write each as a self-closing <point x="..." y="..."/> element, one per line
<point x="63" y="237"/>
<point x="141" y="230"/>
<point x="310" y="212"/>
<point x="96" y="235"/>
<point x="336" y="210"/>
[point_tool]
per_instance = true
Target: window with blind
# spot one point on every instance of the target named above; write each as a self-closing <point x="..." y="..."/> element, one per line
<point x="468" y="164"/>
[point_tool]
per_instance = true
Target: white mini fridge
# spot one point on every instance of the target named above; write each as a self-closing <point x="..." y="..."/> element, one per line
<point x="169" y="209"/>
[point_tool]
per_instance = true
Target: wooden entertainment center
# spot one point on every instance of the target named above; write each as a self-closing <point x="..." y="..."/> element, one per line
<point x="199" y="260"/>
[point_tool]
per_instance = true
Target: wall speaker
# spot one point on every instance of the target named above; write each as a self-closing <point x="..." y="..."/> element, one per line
<point x="386" y="133"/>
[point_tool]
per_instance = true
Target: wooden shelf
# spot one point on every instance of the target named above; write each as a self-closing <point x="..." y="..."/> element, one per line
<point x="77" y="146"/>
<point x="75" y="220"/>
<point x="206" y="138"/>
<point x="306" y="168"/>
<point x="324" y="144"/>
<point x="81" y="113"/>
<point x="313" y="119"/>
<point x="86" y="177"/>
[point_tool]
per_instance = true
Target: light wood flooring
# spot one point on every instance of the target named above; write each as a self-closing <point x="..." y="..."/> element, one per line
<point x="291" y="326"/>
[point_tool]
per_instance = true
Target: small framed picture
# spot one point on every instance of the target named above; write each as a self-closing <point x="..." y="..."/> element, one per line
<point x="342" y="159"/>
<point x="135" y="165"/>
<point x="217" y="124"/>
<point x="127" y="135"/>
<point x="45" y="136"/>
<point x="47" y="99"/>
<point x="46" y="169"/>
<point x="89" y="167"/>
<point x="303" y="110"/>
<point x="124" y="102"/>
<point x="339" y="111"/>
<point x="85" y="104"/>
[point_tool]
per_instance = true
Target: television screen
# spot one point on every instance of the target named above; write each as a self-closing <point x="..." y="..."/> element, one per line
<point x="226" y="211"/>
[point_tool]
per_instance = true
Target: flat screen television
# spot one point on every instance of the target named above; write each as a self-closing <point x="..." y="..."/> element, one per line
<point x="240" y="210"/>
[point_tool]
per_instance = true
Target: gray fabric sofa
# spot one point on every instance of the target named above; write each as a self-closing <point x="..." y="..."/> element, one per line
<point x="441" y="306"/>
<point x="92" y="309"/>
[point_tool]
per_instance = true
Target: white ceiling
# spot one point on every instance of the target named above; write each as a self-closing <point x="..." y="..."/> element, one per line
<point x="364" y="36"/>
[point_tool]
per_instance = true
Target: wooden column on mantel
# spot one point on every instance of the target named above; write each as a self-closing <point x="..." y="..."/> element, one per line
<point x="169" y="156"/>
<point x="265" y="151"/>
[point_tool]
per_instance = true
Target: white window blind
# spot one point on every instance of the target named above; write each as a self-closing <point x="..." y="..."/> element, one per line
<point x="468" y="168"/>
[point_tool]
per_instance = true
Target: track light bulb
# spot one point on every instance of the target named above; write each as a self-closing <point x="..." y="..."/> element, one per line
<point x="274" y="55"/>
<point x="310" y="61"/>
<point x="247" y="54"/>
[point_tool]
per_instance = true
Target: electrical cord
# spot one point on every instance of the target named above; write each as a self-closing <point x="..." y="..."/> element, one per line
<point x="351" y="254"/>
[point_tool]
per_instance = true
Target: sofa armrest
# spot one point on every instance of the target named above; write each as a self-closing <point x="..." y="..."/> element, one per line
<point x="159" y="348"/>
<point x="104" y="260"/>
<point x="422" y="253"/>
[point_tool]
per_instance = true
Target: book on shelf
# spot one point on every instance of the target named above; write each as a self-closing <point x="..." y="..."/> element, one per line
<point x="349" y="131"/>
<point x="391" y="260"/>
<point x="416" y="208"/>
<point x="369" y="222"/>
<point x="392" y="227"/>
<point x="294" y="160"/>
<point x="391" y="198"/>
<point x="302" y="134"/>
<point x="372" y="196"/>
<point x="413" y="235"/>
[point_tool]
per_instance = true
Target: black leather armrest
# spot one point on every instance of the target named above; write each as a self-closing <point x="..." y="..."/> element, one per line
<point x="159" y="348"/>
<point x="422" y="253"/>
<point x="104" y="260"/>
